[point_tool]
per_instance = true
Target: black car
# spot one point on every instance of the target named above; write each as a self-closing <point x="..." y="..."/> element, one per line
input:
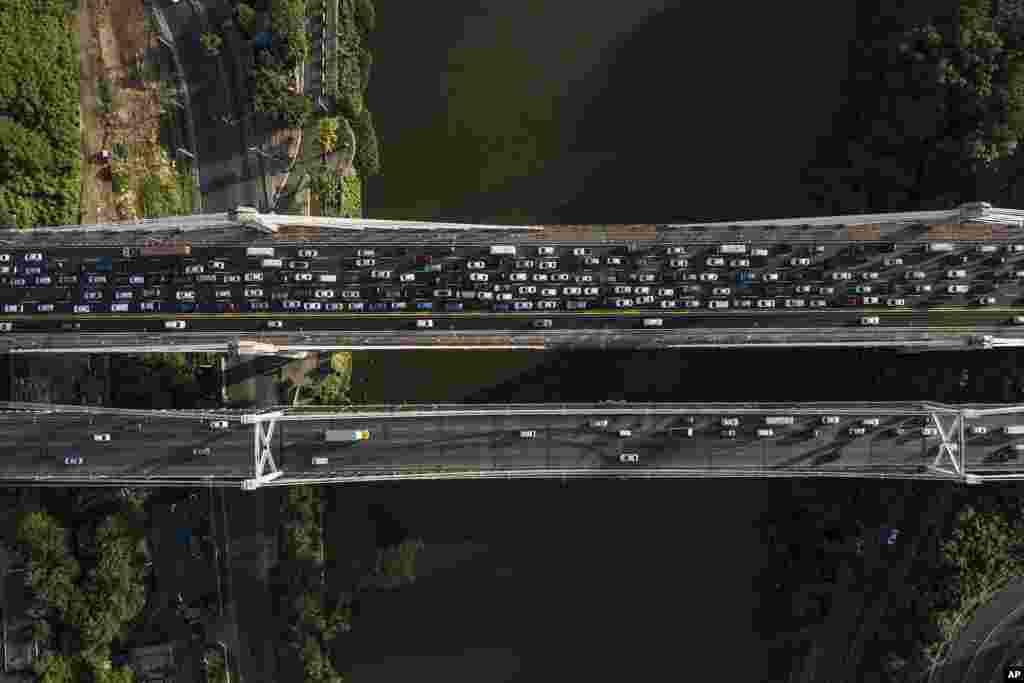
<point x="71" y="326"/>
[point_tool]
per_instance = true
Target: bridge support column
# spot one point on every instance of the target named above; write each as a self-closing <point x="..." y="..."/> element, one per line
<point x="951" y="457"/>
<point x="264" y="467"/>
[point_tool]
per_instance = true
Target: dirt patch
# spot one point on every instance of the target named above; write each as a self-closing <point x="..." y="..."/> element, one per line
<point x="96" y="194"/>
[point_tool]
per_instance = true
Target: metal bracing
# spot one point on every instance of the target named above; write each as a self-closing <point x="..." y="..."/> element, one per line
<point x="264" y="467"/>
<point x="952" y="446"/>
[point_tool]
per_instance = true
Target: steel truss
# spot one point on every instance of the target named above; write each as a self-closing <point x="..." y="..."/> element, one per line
<point x="264" y="467"/>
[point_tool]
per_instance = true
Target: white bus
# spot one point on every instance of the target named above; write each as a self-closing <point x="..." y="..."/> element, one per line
<point x="779" y="420"/>
<point x="259" y="251"/>
<point x="732" y="249"/>
<point x="503" y="250"/>
<point x="1013" y="430"/>
<point x="271" y="263"/>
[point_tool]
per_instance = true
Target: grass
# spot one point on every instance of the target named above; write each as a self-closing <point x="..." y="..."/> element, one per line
<point x="433" y="376"/>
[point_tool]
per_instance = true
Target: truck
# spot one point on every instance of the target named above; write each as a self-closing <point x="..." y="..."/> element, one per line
<point x="167" y="249"/>
<point x="779" y="420"/>
<point x="940" y="246"/>
<point x="346" y="435"/>
<point x="732" y="249"/>
<point x="1013" y="430"/>
<point x="503" y="250"/>
<point x="260" y="251"/>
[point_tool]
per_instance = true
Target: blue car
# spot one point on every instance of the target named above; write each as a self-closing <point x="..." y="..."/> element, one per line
<point x="453" y="306"/>
<point x="424" y="305"/>
<point x="501" y="306"/>
<point x="378" y="306"/>
<point x="186" y="308"/>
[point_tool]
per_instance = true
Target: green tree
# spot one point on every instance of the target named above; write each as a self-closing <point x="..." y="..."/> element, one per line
<point x="53" y="668"/>
<point x="211" y="43"/>
<point x="52" y="570"/>
<point x="367" y="154"/>
<point x="328" y="138"/>
<point x="246" y="19"/>
<point x="23" y="151"/>
<point x="399" y="562"/>
<point x="366" y="16"/>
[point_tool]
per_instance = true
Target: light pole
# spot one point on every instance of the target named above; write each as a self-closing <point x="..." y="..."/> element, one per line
<point x="185" y="152"/>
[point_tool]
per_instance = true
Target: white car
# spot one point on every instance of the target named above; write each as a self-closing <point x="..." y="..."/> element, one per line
<point x="730" y="422"/>
<point x="675" y="250"/>
<point x="549" y="265"/>
<point x="842" y="276"/>
<point x="987" y="300"/>
<point x="869" y="320"/>
<point x="528" y="434"/>
<point x="895" y="302"/>
<point x="292" y="304"/>
<point x="647" y="277"/>
<point x="766" y="303"/>
<point x="759" y="251"/>
<point x="591" y="261"/>
<point x="365" y="262"/>
<point x="560" y="277"/>
<point x="803" y="289"/>
<point x="644" y="300"/>
<point x="381" y="274"/>
<point x="922" y="289"/>
<point x="678" y="263"/>
<point x="275" y="324"/>
<point x="743" y="303"/>
<point x="485" y="295"/>
<point x="715" y="262"/>
<point x="424" y="323"/>
<point x="819" y="303"/>
<point x="666" y="291"/>
<point x="79" y="308"/>
<point x="324" y="294"/>
<point x="958" y="289"/>
<point x="591" y="291"/>
<point x="308" y="253"/>
<point x="219" y="424"/>
<point x="739" y="263"/>
<point x="770" y="277"/>
<point x="956" y="274"/>
<point x="136" y="280"/>
<point x="193" y="270"/>
<point x="718" y="304"/>
<point x="253" y="292"/>
<point x="34" y="256"/>
<point x="622" y="289"/>
<point x="862" y="289"/>
<point x="519" y="277"/>
<point x="6" y="327"/>
<point x="101" y="437"/>
<point x="530" y="289"/>
<point x="366" y="252"/>
<point x="892" y="261"/>
<point x="476" y="265"/>
<point x="614" y="260"/>
<point x="185" y="295"/>
<point x="632" y="458"/>
<point x="691" y="303"/>
<point x="653" y="322"/>
<point x="826" y="291"/>
<point x="540" y="277"/>
<point x="120" y="308"/>
<point x="44" y="308"/>
<point x="547" y="305"/>
<point x="357" y="306"/>
<point x="17" y="308"/>
<point x="708" y="277"/>
<point x="217" y="265"/>
<point x="668" y="304"/>
<point x="175" y="324"/>
<point x="623" y="303"/>
<point x="645" y="290"/>
<point x="545" y="251"/>
<point x="795" y="303"/>
<point x="298" y="265"/>
<point x="549" y="292"/>
<point x="870" y="301"/>
<point x="572" y="291"/>
<point x="929" y="431"/>
<point x="254" y="277"/>
<point x="857" y="431"/>
<point x="407" y="277"/>
<point x="800" y="261"/>
<point x="916" y="275"/>
<point x="871" y="422"/>
<point x="979" y="431"/>
<point x="580" y="251"/>
<point x="830" y="420"/>
<point x="586" y="277"/>
<point x="525" y="263"/>
<point x="522" y="305"/>
<point x="311" y="306"/>
<point x="350" y="294"/>
<point x="721" y="291"/>
<point x="504" y="296"/>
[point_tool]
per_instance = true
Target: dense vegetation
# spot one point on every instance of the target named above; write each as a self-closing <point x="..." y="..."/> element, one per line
<point x="39" y="146"/>
<point x="91" y="594"/>
<point x="158" y="381"/>
<point x="356" y="20"/>
<point x="931" y="109"/>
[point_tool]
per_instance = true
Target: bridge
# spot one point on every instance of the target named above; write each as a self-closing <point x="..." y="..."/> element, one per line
<point x="716" y="310"/>
<point x="59" y="445"/>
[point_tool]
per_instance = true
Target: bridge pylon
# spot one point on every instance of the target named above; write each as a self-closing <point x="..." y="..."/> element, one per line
<point x="264" y="467"/>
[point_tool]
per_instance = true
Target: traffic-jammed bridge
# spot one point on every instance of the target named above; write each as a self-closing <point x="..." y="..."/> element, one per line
<point x="925" y="280"/>
<point x="85" y="446"/>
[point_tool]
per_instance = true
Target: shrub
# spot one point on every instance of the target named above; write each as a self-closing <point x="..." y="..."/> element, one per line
<point x="211" y="43"/>
<point x="365" y="64"/>
<point x="328" y="139"/>
<point x="366" y="16"/>
<point x="367" y="154"/>
<point x="247" y="19"/>
<point x="105" y="95"/>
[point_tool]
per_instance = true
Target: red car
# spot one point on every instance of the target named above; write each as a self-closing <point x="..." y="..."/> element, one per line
<point x="424" y="259"/>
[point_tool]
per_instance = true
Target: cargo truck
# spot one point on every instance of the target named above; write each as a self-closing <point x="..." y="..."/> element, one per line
<point x="346" y="435"/>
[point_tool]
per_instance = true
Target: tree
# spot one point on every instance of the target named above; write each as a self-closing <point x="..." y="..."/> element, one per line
<point x="23" y="151"/>
<point x="246" y="19"/>
<point x="328" y="135"/>
<point x="53" y="668"/>
<point x="52" y="570"/>
<point x="211" y="43"/>
<point x="399" y="562"/>
<point x="367" y="154"/>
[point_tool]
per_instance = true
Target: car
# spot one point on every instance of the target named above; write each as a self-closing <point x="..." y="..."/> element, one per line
<point x="275" y="324"/>
<point x="584" y="277"/>
<point x="622" y="289"/>
<point x="591" y="261"/>
<point x="518" y="277"/>
<point x="770" y="277"/>
<point x="869" y="275"/>
<point x="357" y="306"/>
<point x="987" y="300"/>
<point x="253" y="293"/>
<point x="819" y="303"/>
<point x="632" y="458"/>
<point x="708" y="277"/>
<point x="653" y="322"/>
<point x="862" y="289"/>
<point x="308" y="253"/>
<point x="892" y="261"/>
<point x="528" y="434"/>
<point x="303" y="277"/>
<point x="830" y="420"/>
<point x="365" y="262"/>
<point x="614" y="260"/>
<point x="254" y="277"/>
<point x="800" y="261"/>
<point x="34" y="257"/>
<point x="730" y="422"/>
<point x="560" y="277"/>
<point x="525" y="263"/>
<point x="623" y="303"/>
<point x="957" y="289"/>
<point x="291" y="304"/>
<point x="842" y="276"/>
<point x="504" y="296"/>
<point x="870" y="300"/>
<point x="366" y="252"/>
<point x="759" y="251"/>
<point x="580" y="251"/>
<point x="675" y="250"/>
<point x="766" y="303"/>
<point x="678" y="263"/>
<point x="721" y="291"/>
<point x="895" y="302"/>
<point x="743" y="303"/>
<point x="44" y="308"/>
<point x="714" y="262"/>
<point x="871" y="422"/>
<point x="857" y="431"/>
<point x="201" y="451"/>
<point x="591" y="291"/>
<point x="6" y="327"/>
<point x="74" y="460"/>
<point x="929" y="431"/>
<point x="424" y="323"/>
<point x="219" y="424"/>
<point x="668" y="304"/>
<point x="826" y="291"/>
<point x="324" y="294"/>
<point x="540" y="277"/>
<point x="802" y="289"/>
<point x="869" y="320"/>
<point x="120" y="308"/>
<point x="956" y="274"/>
<point x="979" y="430"/>
<point x="136" y="280"/>
<point x="522" y="305"/>
<point x="739" y="263"/>
<point x="545" y="251"/>
<point x="20" y="282"/>
<point x="43" y="281"/>
<point x="647" y="277"/>
<point x="298" y="265"/>
<point x="922" y="289"/>
<point x="194" y="269"/>
<point x="185" y="295"/>
<point x="728" y="433"/>
<point x="548" y="265"/>
<point x="217" y="265"/>
<point x="79" y="308"/>
<point x="123" y="295"/>
<point x="311" y="306"/>
<point x="795" y="303"/>
<point x="576" y="305"/>
<point x="1017" y="320"/>
<point x="549" y="291"/>
<point x="101" y="437"/>
<point x="381" y="274"/>
<point x="916" y="275"/>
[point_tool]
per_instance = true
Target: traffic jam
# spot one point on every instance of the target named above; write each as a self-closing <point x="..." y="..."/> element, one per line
<point x="765" y="278"/>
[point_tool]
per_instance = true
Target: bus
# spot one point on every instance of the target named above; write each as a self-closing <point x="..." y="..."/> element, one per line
<point x="779" y="420"/>
<point x="260" y="251"/>
<point x="732" y="249"/>
<point x="503" y="250"/>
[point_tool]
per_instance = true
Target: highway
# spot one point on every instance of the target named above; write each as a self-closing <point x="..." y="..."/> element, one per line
<point x="161" y="448"/>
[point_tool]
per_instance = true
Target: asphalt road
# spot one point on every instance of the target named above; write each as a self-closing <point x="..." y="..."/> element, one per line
<point x="161" y="448"/>
<point x="984" y="645"/>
